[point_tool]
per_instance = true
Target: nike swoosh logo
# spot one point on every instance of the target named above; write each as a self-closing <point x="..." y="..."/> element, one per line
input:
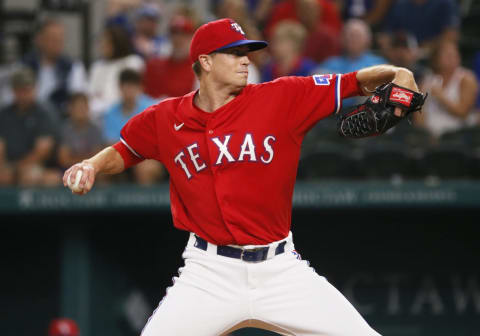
<point x="177" y="127"/>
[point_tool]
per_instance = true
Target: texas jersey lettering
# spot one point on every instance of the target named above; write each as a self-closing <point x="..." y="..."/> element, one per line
<point x="247" y="152"/>
<point x="226" y="165"/>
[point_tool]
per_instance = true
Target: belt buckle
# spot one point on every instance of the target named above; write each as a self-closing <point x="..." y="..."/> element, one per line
<point x="242" y="254"/>
<point x="244" y="251"/>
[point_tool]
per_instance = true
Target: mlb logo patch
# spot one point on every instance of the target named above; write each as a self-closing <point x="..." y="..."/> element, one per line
<point x="398" y="95"/>
<point x="235" y="26"/>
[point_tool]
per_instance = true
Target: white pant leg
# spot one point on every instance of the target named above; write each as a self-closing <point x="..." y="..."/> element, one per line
<point x="290" y="295"/>
<point x="208" y="298"/>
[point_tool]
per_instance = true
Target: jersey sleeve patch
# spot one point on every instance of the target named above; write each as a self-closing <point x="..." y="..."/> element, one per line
<point x="322" y="79"/>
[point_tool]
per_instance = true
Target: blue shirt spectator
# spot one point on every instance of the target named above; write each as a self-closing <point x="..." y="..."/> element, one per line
<point x="117" y="117"/>
<point x="343" y="64"/>
<point x="356" y="42"/>
<point x="425" y="19"/>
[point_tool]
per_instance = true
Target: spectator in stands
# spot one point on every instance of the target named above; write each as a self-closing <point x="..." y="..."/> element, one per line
<point x="308" y="12"/>
<point x="237" y="10"/>
<point x="321" y="44"/>
<point x="26" y="136"/>
<point x="373" y="12"/>
<point x="57" y="75"/>
<point x="356" y="41"/>
<point x="147" y="41"/>
<point x="322" y="36"/>
<point x="405" y="53"/>
<point x="428" y="20"/>
<point x="172" y="76"/>
<point x="117" y="54"/>
<point x="260" y="11"/>
<point x="9" y="56"/>
<point x="118" y="13"/>
<point x="132" y="101"/>
<point x="453" y="90"/>
<point x="80" y="138"/>
<point x="287" y="46"/>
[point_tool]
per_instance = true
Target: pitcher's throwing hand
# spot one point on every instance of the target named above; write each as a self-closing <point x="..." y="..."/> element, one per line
<point x="79" y="178"/>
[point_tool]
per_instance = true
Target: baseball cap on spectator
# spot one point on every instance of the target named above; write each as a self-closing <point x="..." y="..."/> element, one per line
<point x="181" y="24"/>
<point x="218" y="35"/>
<point x="63" y="327"/>
<point x="22" y="77"/>
<point x="149" y="11"/>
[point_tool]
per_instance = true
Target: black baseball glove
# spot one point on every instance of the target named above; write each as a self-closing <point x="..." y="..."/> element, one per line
<point x="376" y="115"/>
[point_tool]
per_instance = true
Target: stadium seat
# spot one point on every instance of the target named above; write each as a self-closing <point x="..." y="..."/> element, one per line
<point x="451" y="157"/>
<point x="446" y="161"/>
<point x="473" y="149"/>
<point x="472" y="135"/>
<point x="458" y="138"/>
<point x="328" y="160"/>
<point x="387" y="160"/>
<point x="410" y="136"/>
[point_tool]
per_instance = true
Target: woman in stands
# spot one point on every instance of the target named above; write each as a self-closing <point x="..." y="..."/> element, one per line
<point x="453" y="90"/>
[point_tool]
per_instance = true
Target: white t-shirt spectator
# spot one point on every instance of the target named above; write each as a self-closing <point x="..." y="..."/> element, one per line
<point x="437" y="119"/>
<point x="104" y="87"/>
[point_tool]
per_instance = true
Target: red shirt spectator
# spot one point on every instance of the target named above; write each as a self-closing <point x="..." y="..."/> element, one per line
<point x="172" y="76"/>
<point x="168" y="77"/>
<point x="321" y="44"/>
<point x="292" y="10"/>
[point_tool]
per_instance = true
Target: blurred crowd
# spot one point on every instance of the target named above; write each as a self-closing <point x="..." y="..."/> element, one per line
<point x="54" y="111"/>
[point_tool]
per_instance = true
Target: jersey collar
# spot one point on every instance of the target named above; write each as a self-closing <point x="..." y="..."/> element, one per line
<point x="197" y="118"/>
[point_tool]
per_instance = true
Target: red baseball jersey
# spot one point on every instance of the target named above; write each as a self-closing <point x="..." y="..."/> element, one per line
<point x="232" y="172"/>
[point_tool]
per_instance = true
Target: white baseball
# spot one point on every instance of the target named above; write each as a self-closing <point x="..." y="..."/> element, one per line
<point x="75" y="186"/>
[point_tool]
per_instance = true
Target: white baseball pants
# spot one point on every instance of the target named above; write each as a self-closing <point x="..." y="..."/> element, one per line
<point x="215" y="295"/>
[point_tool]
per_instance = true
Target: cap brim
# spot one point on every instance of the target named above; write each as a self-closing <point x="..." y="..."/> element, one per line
<point x="251" y="44"/>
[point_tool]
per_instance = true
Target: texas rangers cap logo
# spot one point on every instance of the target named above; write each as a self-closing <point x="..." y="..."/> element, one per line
<point x="401" y="96"/>
<point x="235" y="26"/>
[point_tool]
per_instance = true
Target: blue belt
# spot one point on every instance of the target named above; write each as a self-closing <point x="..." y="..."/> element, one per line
<point x="251" y="255"/>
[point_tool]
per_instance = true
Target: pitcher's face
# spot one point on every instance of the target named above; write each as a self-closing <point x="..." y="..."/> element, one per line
<point x="230" y="66"/>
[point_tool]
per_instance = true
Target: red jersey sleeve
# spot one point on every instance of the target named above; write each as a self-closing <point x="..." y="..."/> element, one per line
<point x="139" y="134"/>
<point x="129" y="159"/>
<point x="317" y="97"/>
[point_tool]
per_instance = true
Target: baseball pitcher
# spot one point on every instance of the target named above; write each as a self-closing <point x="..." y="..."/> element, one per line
<point x="232" y="152"/>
